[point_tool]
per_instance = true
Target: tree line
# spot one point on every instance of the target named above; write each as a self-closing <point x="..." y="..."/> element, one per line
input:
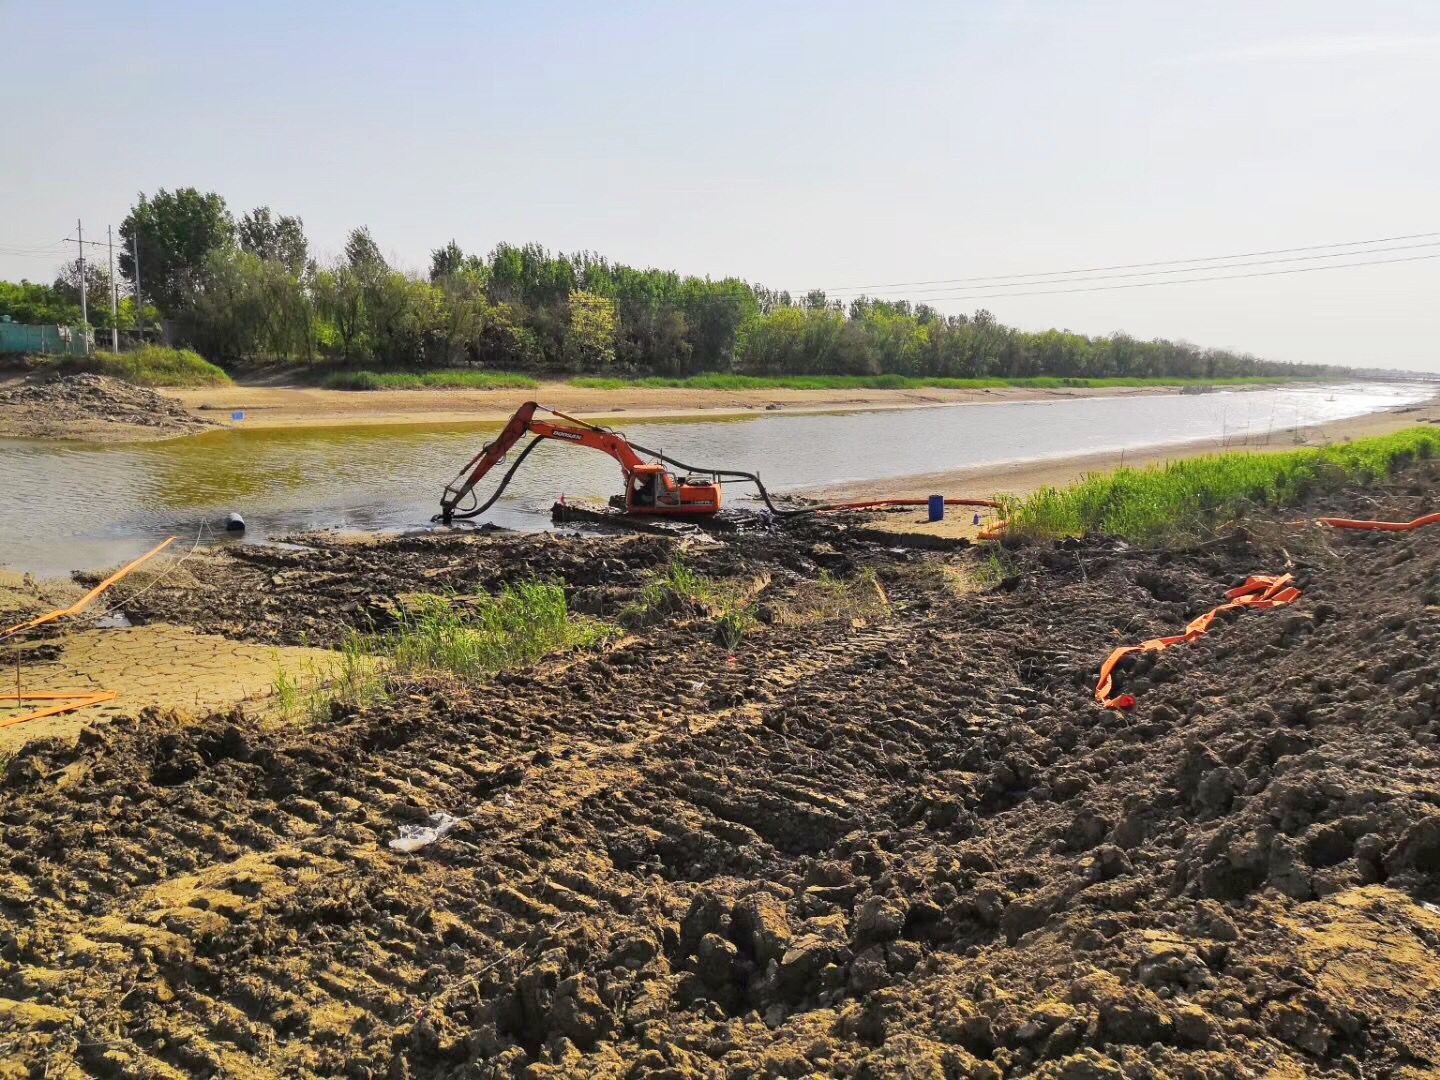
<point x="249" y="289"/>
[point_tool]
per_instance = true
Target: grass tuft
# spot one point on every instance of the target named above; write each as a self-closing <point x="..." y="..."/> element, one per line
<point x="828" y="598"/>
<point x="475" y="636"/>
<point x="355" y="678"/>
<point x="429" y="380"/>
<point x="468" y="637"/>
<point x="732" y="627"/>
<point x="1185" y="497"/>
<point x="149" y="365"/>
<point x="679" y="590"/>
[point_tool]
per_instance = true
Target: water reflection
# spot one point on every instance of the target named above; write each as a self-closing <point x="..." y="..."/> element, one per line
<point x="68" y="505"/>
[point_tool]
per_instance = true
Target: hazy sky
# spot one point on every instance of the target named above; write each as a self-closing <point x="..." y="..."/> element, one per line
<point x="794" y="145"/>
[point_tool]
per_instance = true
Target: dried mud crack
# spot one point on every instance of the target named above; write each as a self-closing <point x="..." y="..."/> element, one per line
<point x="899" y="846"/>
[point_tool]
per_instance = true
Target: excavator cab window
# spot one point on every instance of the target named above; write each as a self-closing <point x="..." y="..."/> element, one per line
<point x="642" y="489"/>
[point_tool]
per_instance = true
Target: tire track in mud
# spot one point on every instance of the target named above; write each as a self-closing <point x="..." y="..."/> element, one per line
<point x="915" y="848"/>
<point x="182" y="909"/>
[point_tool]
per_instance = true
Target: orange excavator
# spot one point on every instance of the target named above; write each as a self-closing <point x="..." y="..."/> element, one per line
<point x="650" y="488"/>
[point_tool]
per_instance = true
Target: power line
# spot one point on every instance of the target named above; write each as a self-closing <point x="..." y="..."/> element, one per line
<point x="1183" y="281"/>
<point x="1143" y="265"/>
<point x="1192" y="270"/>
<point x="21" y="248"/>
<point x="657" y="303"/>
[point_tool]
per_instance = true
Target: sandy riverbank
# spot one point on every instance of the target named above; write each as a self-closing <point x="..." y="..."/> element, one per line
<point x="28" y="412"/>
<point x="1022" y="477"/>
<point x="1025" y="476"/>
<point x="297" y="406"/>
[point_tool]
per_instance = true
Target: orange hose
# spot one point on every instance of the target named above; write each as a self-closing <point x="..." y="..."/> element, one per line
<point x="75" y="608"/>
<point x="71" y="703"/>
<point x="1262" y="591"/>
<point x="1384" y="526"/>
<point x="903" y="502"/>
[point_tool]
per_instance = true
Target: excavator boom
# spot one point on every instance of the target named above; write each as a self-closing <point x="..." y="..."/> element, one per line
<point x="649" y="488"/>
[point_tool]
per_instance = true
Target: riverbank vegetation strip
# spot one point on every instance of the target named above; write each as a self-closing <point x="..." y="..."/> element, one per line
<point x="470" y="379"/>
<point x="430" y="380"/>
<point x="1185" y="497"/>
<point x="249" y="290"/>
<point x="149" y="365"/>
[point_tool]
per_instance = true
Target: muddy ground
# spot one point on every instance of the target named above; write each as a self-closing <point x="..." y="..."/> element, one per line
<point x="93" y="407"/>
<point x="903" y="844"/>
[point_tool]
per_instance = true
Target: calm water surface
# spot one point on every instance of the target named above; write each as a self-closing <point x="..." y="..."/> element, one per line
<point x="67" y="506"/>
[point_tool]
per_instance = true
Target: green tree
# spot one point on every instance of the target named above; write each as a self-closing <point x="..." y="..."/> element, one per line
<point x="30" y="302"/>
<point x="446" y="260"/>
<point x="362" y="254"/>
<point x="175" y="232"/>
<point x="97" y="290"/>
<point x="339" y="295"/>
<point x="590" y="339"/>
<point x="280" y="239"/>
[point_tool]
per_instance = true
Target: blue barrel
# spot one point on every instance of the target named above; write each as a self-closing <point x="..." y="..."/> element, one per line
<point x="937" y="507"/>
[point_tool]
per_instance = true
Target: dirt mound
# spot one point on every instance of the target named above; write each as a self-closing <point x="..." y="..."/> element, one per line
<point x="906" y="846"/>
<point x="72" y="405"/>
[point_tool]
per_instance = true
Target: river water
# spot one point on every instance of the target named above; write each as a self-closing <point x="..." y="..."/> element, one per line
<point x="69" y="505"/>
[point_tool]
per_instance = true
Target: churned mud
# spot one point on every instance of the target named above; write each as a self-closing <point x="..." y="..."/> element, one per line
<point x="897" y="843"/>
<point x="92" y="407"/>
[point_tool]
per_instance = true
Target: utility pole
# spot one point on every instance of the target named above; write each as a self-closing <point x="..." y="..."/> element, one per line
<point x="80" y="246"/>
<point x="114" y="289"/>
<point x="139" y="304"/>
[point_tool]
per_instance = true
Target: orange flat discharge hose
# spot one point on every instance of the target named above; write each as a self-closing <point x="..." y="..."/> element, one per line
<point x="1260" y="591"/>
<point x="84" y="601"/>
<point x="903" y="502"/>
<point x="1384" y="526"/>
<point x="69" y="702"/>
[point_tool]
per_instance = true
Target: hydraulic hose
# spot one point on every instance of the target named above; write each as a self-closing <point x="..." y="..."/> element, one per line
<point x="765" y="495"/>
<point x="733" y="475"/>
<point x="466" y="515"/>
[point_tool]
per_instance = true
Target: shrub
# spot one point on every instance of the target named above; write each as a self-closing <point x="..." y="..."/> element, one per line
<point x="404" y="380"/>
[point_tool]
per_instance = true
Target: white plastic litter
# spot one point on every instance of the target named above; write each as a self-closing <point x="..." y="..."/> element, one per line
<point x="415" y="837"/>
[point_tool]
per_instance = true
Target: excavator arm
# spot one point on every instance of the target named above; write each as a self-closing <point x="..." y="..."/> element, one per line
<point x="524" y="421"/>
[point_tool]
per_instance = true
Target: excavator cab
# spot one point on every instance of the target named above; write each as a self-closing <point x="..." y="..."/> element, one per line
<point x="650" y="488"/>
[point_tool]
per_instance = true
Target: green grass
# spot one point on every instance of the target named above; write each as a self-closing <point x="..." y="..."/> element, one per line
<point x="481" y="635"/>
<point x="720" y="381"/>
<point x="732" y="627"/>
<point x="448" y="380"/>
<point x="831" y="598"/>
<point x="469" y="637"/>
<point x="1185" y="497"/>
<point x="674" y="589"/>
<point x="149" y="365"/>
<point x="679" y="590"/>
<point x="355" y="678"/>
